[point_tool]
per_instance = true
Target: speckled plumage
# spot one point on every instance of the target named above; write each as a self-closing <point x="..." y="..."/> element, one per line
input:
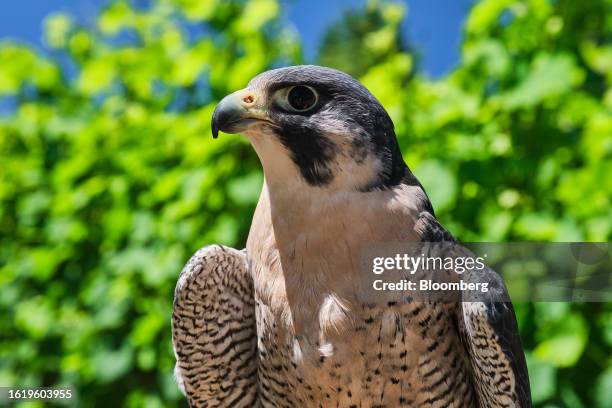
<point x="289" y="323"/>
<point x="213" y="330"/>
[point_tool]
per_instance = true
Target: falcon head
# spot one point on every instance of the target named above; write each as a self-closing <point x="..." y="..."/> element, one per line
<point x="317" y="126"/>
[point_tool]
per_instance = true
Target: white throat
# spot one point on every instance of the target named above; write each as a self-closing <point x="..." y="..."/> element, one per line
<point x="283" y="177"/>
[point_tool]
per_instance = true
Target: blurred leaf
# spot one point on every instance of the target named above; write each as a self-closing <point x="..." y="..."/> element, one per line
<point x="111" y="364"/>
<point x="245" y="190"/>
<point x="551" y="77"/>
<point x="484" y="14"/>
<point x="542" y="377"/>
<point x="198" y="10"/>
<point x="57" y="28"/>
<point x="439" y="181"/>
<point x="564" y="341"/>
<point x="117" y="16"/>
<point x="96" y="76"/>
<point x="35" y="316"/>
<point x="602" y="389"/>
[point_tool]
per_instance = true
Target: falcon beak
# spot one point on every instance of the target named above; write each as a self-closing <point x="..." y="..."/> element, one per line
<point x="237" y="111"/>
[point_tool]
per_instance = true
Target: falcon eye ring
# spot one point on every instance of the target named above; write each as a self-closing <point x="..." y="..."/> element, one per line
<point x="301" y="98"/>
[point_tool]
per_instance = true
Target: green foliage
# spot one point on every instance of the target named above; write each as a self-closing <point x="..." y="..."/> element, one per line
<point x="109" y="180"/>
<point x="364" y="38"/>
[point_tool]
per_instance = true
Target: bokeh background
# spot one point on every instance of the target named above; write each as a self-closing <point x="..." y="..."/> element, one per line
<point x="109" y="179"/>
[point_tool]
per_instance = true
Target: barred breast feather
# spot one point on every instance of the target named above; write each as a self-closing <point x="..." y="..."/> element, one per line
<point x="213" y="330"/>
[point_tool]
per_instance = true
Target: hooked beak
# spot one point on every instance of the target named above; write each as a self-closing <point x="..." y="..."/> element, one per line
<point x="236" y="112"/>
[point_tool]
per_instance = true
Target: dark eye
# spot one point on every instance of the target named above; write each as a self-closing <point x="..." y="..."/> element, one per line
<point x="301" y="98"/>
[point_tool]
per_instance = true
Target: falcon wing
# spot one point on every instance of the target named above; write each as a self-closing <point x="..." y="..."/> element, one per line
<point x="489" y="331"/>
<point x="213" y="330"/>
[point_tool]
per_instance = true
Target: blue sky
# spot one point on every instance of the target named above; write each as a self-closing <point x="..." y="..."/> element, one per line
<point x="433" y="27"/>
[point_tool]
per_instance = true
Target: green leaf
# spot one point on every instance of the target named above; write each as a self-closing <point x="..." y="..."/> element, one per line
<point x="542" y="377"/>
<point x="485" y="14"/>
<point x="57" y="28"/>
<point x="563" y="342"/>
<point x="111" y="364"/>
<point x="550" y="77"/>
<point x="439" y="181"/>
<point x="197" y="10"/>
<point x="35" y="316"/>
<point x="96" y="76"/>
<point x="603" y="386"/>
<point x="116" y="17"/>
<point x="245" y="190"/>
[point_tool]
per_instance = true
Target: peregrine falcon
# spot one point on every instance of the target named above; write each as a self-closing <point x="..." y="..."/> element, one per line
<point x="284" y="322"/>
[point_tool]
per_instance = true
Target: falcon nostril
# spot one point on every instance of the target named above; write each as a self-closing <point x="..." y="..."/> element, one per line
<point x="248" y="100"/>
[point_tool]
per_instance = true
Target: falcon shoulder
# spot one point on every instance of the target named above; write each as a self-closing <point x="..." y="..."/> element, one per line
<point x="213" y="330"/>
<point x="488" y="329"/>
